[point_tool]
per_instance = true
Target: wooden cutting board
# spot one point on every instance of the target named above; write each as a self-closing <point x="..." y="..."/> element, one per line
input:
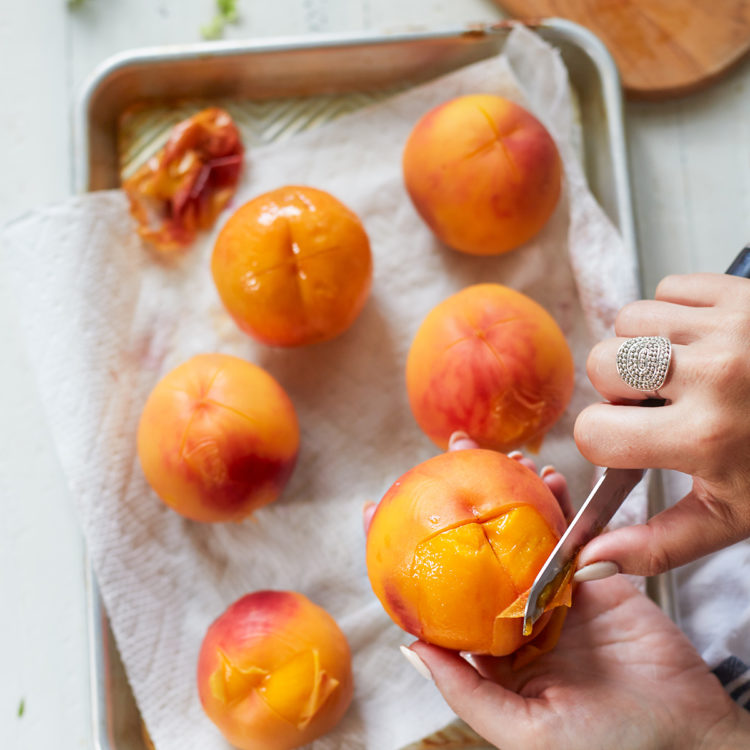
<point x="663" y="48"/>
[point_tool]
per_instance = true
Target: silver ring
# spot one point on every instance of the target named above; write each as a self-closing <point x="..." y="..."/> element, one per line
<point x="643" y="362"/>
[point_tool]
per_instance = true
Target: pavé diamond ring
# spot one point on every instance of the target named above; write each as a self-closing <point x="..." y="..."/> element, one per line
<point x="643" y="362"/>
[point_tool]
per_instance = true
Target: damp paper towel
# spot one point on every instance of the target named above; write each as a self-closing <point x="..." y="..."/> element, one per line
<point x="105" y="319"/>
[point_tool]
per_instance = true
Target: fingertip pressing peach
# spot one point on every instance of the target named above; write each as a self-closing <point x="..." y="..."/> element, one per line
<point x="416" y="662"/>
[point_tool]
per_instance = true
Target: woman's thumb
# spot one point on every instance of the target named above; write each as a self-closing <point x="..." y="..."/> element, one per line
<point x="695" y="526"/>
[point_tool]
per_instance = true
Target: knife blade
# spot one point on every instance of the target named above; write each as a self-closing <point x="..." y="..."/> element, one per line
<point x="596" y="512"/>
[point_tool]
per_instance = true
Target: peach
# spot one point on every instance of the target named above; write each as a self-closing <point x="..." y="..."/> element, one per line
<point x="455" y="545"/>
<point x="483" y="173"/>
<point x="218" y="438"/>
<point x="491" y="362"/>
<point x="274" y="672"/>
<point x="293" y="267"/>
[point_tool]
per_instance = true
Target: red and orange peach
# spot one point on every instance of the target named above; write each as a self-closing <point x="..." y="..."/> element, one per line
<point x="293" y="266"/>
<point x="456" y="543"/>
<point x="274" y="672"/>
<point x="492" y="362"/>
<point x="483" y="173"/>
<point x="218" y="438"/>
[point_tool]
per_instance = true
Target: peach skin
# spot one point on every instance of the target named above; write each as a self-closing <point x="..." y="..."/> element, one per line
<point x="293" y="267"/>
<point x="491" y="362"/>
<point x="185" y="186"/>
<point x="218" y="438"/>
<point x="483" y="173"/>
<point x="454" y="546"/>
<point x="274" y="672"/>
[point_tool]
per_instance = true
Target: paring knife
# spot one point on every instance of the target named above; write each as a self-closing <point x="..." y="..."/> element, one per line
<point x="596" y="512"/>
<point x="601" y="504"/>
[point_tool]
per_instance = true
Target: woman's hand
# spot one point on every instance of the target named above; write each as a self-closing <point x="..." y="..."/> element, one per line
<point x="621" y="677"/>
<point x="703" y="430"/>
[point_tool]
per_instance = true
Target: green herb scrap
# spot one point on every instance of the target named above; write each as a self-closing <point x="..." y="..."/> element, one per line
<point x="226" y="12"/>
<point x="21" y="708"/>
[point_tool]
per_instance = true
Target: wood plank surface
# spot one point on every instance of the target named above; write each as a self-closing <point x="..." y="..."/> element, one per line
<point x="663" y="49"/>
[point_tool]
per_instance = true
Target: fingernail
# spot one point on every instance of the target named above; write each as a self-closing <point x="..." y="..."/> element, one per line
<point x="368" y="511"/>
<point x="456" y="436"/>
<point x="547" y="470"/>
<point x="515" y="455"/>
<point x="596" y="571"/>
<point x="413" y="658"/>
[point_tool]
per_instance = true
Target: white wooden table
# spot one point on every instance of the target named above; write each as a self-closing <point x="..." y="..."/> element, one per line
<point x="690" y="165"/>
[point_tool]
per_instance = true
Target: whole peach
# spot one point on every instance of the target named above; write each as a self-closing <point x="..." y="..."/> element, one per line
<point x="293" y="266"/>
<point x="491" y="362"/>
<point x="218" y="438"/>
<point x="483" y="173"/>
<point x="274" y="672"/>
<point x="457" y="541"/>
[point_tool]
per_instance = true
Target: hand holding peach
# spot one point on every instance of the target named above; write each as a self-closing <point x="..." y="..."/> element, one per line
<point x="592" y="685"/>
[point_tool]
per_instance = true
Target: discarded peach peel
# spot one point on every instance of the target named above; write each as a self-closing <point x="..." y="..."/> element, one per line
<point x="183" y="188"/>
<point x="293" y="266"/>
<point x="455" y="545"/>
<point x="483" y="173"/>
<point x="493" y="363"/>
<point x="274" y="672"/>
<point x="218" y="438"/>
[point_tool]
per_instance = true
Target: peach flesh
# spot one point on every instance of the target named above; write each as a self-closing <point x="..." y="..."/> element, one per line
<point x="456" y="543"/>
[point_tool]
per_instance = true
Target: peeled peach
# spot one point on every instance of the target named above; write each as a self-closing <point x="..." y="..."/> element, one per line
<point x="491" y="362"/>
<point x="293" y="266"/>
<point x="483" y="173"/>
<point x="218" y="438"/>
<point x="274" y="672"/>
<point x="456" y="543"/>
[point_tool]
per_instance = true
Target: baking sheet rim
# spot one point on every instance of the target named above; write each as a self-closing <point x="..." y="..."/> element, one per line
<point x="99" y="665"/>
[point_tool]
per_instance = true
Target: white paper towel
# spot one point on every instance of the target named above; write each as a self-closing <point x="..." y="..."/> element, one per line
<point x="105" y="319"/>
<point x="713" y="602"/>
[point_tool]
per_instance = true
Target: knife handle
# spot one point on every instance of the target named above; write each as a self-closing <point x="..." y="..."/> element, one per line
<point x="740" y="266"/>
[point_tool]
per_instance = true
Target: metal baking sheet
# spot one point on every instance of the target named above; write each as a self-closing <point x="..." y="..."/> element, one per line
<point x="275" y="88"/>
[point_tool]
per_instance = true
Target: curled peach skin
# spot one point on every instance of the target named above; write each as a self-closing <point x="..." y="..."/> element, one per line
<point x="274" y="672"/>
<point x="455" y="545"/>
<point x="218" y="438"/>
<point x="483" y="173"/>
<point x="493" y="363"/>
<point x="184" y="187"/>
<point x="293" y="266"/>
